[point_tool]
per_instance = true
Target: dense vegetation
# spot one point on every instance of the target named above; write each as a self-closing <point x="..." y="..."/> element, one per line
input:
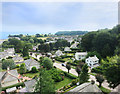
<point x="71" y="32"/>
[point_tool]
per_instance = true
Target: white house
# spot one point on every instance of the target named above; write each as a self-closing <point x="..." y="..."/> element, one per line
<point x="80" y="55"/>
<point x="58" y="53"/>
<point x="66" y="49"/>
<point x="31" y="63"/>
<point x="74" y="45"/>
<point x="92" y="61"/>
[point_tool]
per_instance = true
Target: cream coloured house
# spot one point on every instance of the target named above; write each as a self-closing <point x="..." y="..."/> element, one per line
<point x="80" y="55"/>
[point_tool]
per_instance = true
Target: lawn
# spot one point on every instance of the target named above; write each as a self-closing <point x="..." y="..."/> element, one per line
<point x="31" y="75"/>
<point x="66" y="81"/>
<point x="105" y="90"/>
<point x="43" y="38"/>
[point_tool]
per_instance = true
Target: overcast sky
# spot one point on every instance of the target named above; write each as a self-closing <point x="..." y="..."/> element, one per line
<point x="52" y="17"/>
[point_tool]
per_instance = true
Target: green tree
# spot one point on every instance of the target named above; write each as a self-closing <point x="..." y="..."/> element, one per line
<point x="100" y="79"/>
<point x="112" y="70"/>
<point x="34" y="70"/>
<point x="47" y="63"/>
<point x="84" y="74"/>
<point x="8" y="63"/>
<point x="78" y="70"/>
<point x="45" y="83"/>
<point x="68" y="67"/>
<point x="25" y="52"/>
<point x="23" y="68"/>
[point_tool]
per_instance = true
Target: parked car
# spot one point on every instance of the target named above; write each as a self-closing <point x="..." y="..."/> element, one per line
<point x="63" y="64"/>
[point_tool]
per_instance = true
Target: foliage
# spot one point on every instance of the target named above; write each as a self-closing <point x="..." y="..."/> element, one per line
<point x="84" y="74"/>
<point x="8" y="63"/>
<point x="68" y="67"/>
<point x="100" y="79"/>
<point x="112" y="70"/>
<point x="22" y="68"/>
<point x="98" y="70"/>
<point x="34" y="70"/>
<point x="70" y="75"/>
<point x="25" y="52"/>
<point x="57" y="75"/>
<point x="15" y="85"/>
<point x="78" y="70"/>
<point x="71" y="33"/>
<point x="45" y="84"/>
<point x="47" y="63"/>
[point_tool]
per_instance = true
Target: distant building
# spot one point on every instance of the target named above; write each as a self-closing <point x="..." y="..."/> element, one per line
<point x="86" y="88"/>
<point x="17" y="59"/>
<point x="9" y="77"/>
<point x="31" y="63"/>
<point x="67" y="49"/>
<point x="92" y="61"/>
<point x="58" y="53"/>
<point x="80" y="55"/>
<point x="74" y="45"/>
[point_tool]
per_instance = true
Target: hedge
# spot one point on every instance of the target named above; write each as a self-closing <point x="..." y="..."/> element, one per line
<point x="69" y="75"/>
<point x="72" y="64"/>
<point x="59" y="59"/>
<point x="15" y="85"/>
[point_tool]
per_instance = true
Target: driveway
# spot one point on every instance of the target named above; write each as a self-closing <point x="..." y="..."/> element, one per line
<point x="72" y="71"/>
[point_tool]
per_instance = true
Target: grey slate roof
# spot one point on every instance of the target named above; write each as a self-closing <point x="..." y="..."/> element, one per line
<point x="31" y="62"/>
<point x="86" y="87"/>
<point x="17" y="58"/>
<point x="30" y="85"/>
<point x="9" y="75"/>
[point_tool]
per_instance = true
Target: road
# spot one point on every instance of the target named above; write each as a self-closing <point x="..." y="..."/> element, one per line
<point x="72" y="71"/>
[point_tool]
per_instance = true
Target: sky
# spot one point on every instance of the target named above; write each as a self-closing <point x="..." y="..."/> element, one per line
<point x="50" y="17"/>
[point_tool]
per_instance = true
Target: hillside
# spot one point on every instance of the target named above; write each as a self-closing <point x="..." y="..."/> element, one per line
<point x="71" y="32"/>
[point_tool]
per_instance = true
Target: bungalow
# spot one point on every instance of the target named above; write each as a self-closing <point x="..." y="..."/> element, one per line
<point x="58" y="53"/>
<point x="30" y="85"/>
<point x="92" y="61"/>
<point x="31" y="63"/>
<point x="66" y="49"/>
<point x="86" y="88"/>
<point x="80" y="55"/>
<point x="9" y="77"/>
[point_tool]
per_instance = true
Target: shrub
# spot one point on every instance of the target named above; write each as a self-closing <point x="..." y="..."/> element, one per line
<point x="34" y="70"/>
<point x="98" y="70"/>
<point x="70" y="75"/>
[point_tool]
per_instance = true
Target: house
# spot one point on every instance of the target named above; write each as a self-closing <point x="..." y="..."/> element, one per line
<point x="31" y="63"/>
<point x="74" y="45"/>
<point x="92" y="61"/>
<point x="17" y="58"/>
<point x="80" y="55"/>
<point x="87" y="87"/>
<point x="67" y="49"/>
<point x="58" y="53"/>
<point x="9" y="77"/>
<point x="30" y="85"/>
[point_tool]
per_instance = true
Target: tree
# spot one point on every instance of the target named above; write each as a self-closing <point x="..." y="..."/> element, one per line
<point x="78" y="70"/>
<point x="100" y="79"/>
<point x="45" y="83"/>
<point x="8" y="63"/>
<point x="68" y="67"/>
<point x="112" y="70"/>
<point x="23" y="68"/>
<point x="25" y="52"/>
<point x="47" y="63"/>
<point x="84" y="74"/>
<point x="34" y="70"/>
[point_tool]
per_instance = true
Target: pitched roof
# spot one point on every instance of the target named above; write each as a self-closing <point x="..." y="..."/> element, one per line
<point x="93" y="58"/>
<point x="17" y="58"/>
<point x="30" y="62"/>
<point x="30" y="85"/>
<point x="81" y="53"/>
<point x="8" y="75"/>
<point x="86" y="87"/>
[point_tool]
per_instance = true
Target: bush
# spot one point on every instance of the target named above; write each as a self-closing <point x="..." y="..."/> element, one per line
<point x="59" y="59"/>
<point x="74" y="81"/>
<point x="15" y="85"/>
<point x="98" y="70"/>
<point x="34" y="70"/>
<point x="70" y="75"/>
